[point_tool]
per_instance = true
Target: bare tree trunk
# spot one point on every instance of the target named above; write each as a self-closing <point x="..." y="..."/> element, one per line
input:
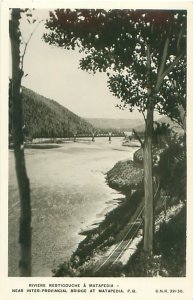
<point x="23" y="181"/>
<point x="148" y="185"/>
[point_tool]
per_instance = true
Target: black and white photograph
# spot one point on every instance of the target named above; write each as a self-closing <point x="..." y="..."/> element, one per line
<point x="97" y="143"/>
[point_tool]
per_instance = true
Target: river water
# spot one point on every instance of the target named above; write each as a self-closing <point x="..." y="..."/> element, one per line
<point x="68" y="194"/>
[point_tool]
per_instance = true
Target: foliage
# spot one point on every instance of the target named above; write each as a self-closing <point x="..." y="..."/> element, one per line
<point x="172" y="170"/>
<point x="173" y="93"/>
<point x="116" y="41"/>
<point x="170" y="252"/>
<point x="169" y="153"/>
<point x="171" y="242"/>
<point x="161" y="134"/>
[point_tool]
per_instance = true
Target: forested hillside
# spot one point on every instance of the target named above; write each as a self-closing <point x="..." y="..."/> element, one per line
<point x="47" y="118"/>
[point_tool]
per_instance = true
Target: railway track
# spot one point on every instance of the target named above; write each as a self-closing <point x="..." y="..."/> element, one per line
<point x="124" y="238"/>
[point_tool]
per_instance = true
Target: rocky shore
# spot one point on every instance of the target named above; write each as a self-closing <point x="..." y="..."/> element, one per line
<point x="125" y="176"/>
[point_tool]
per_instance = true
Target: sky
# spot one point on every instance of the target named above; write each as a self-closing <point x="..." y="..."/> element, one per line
<point x="53" y="72"/>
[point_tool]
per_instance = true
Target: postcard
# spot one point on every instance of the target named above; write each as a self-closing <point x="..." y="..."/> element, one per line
<point x="96" y="150"/>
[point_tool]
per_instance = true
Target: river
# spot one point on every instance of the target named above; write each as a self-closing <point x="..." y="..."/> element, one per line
<point x="68" y="194"/>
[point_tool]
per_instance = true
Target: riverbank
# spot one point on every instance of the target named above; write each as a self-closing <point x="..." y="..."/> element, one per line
<point x="126" y="177"/>
<point x="37" y="146"/>
<point x="68" y="194"/>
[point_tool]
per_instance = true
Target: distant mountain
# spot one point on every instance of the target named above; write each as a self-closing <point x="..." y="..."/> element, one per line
<point x="114" y="124"/>
<point x="164" y="119"/>
<point x="47" y="118"/>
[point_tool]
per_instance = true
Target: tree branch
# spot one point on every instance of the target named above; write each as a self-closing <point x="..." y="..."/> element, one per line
<point x="143" y="116"/>
<point x="26" y="44"/>
<point x="179" y="37"/>
<point x="168" y="70"/>
<point x="148" y="70"/>
<point x="163" y="61"/>
<point x="181" y="109"/>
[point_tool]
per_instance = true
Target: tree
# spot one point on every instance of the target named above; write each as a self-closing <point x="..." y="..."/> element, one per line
<point x="174" y="92"/>
<point x="140" y="50"/>
<point x="15" y="94"/>
<point x="18" y="138"/>
<point x="161" y="134"/>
